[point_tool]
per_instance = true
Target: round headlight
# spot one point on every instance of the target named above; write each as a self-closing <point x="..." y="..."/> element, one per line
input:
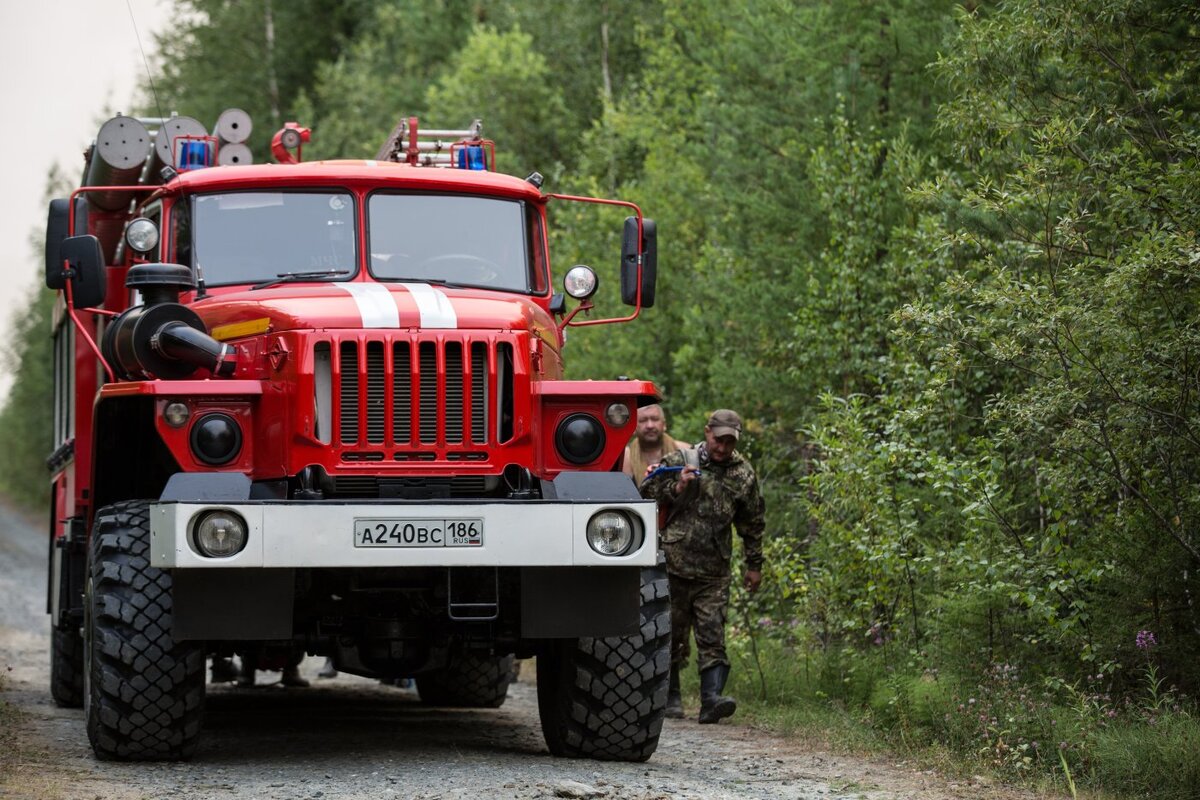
<point x="220" y="533"/>
<point x="176" y="414"/>
<point x="617" y="414"/>
<point x="142" y="235"/>
<point x="610" y="533"/>
<point x="580" y="438"/>
<point x="580" y="282"/>
<point x="216" y="439"/>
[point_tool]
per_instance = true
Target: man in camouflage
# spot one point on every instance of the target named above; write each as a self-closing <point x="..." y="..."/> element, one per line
<point x="704" y="500"/>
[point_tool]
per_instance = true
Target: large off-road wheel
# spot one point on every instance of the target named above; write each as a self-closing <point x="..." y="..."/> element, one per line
<point x="144" y="693"/>
<point x="66" y="666"/>
<point x="605" y="698"/>
<point x="468" y="681"/>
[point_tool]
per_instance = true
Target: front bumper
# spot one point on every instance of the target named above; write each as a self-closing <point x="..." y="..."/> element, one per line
<point x="516" y="533"/>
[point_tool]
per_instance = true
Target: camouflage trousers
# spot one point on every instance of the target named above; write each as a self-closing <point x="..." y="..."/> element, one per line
<point x="698" y="605"/>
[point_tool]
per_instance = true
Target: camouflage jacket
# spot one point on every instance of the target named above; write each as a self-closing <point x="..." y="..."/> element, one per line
<point x="698" y="538"/>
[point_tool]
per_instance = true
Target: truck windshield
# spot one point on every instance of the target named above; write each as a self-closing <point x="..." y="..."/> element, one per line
<point x="456" y="239"/>
<point x="251" y="237"/>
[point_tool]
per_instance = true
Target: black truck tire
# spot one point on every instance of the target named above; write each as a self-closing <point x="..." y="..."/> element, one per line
<point x="144" y="694"/>
<point x="468" y="681"/>
<point x="605" y="698"/>
<point x="66" y="667"/>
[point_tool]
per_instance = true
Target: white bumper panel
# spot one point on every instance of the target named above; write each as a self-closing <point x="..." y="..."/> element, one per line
<point x="544" y="533"/>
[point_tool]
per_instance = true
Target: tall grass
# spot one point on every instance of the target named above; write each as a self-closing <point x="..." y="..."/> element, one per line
<point x="993" y="718"/>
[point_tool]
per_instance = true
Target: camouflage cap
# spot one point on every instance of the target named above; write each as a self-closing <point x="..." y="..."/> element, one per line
<point x="725" y="422"/>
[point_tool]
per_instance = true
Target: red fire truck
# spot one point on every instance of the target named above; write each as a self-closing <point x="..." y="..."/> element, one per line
<point x="320" y="408"/>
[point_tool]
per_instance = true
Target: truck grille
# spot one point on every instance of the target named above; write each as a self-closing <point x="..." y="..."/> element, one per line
<point x="418" y="400"/>
<point x="413" y="488"/>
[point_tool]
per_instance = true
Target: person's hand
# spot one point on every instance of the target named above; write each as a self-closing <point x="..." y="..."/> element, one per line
<point x="686" y="476"/>
<point x="752" y="580"/>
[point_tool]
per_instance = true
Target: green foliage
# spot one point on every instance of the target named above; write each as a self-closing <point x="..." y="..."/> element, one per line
<point x="1147" y="760"/>
<point x="258" y="55"/>
<point x="998" y="721"/>
<point x="1078" y="302"/>
<point x="27" y="416"/>
<point x="498" y="76"/>
<point x="27" y="412"/>
<point x="382" y="76"/>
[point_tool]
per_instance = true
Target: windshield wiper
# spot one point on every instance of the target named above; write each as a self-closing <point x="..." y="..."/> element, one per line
<point x="436" y="282"/>
<point x="288" y="277"/>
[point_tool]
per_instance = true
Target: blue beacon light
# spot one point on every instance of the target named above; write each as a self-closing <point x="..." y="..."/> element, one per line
<point x="472" y="157"/>
<point x="194" y="154"/>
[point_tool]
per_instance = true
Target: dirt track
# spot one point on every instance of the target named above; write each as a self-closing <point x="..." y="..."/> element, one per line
<point x="352" y="738"/>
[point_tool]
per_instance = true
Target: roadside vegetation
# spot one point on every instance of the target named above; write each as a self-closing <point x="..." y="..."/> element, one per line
<point x="943" y="258"/>
<point x="13" y="752"/>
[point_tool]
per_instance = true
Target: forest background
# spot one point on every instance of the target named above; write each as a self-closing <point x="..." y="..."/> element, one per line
<point x="943" y="258"/>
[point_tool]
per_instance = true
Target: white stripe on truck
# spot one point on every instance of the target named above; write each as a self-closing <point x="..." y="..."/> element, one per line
<point x="436" y="309"/>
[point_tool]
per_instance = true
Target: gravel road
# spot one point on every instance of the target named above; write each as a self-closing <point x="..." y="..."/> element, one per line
<point x="353" y="738"/>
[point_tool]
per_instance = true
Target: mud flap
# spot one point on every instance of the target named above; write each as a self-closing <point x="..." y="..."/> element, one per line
<point x="565" y="602"/>
<point x="233" y="604"/>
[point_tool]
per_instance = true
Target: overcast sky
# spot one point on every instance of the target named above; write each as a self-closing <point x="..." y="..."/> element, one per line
<point x="68" y="65"/>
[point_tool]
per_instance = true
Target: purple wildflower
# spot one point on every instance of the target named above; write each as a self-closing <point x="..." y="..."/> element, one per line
<point x="1145" y="640"/>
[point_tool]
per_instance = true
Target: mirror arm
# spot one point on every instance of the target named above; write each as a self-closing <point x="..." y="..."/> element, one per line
<point x="601" y="201"/>
<point x="636" y="313"/>
<point x="586" y="305"/>
<point x="79" y="327"/>
<point x="68" y="273"/>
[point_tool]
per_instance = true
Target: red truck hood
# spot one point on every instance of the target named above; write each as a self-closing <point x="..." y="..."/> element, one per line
<point x="371" y="305"/>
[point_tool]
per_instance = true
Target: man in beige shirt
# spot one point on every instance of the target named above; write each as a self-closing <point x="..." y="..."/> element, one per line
<point x="649" y="443"/>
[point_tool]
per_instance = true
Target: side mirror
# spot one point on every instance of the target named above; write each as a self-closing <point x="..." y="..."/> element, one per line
<point x="87" y="263"/>
<point x="57" y="229"/>
<point x="629" y="262"/>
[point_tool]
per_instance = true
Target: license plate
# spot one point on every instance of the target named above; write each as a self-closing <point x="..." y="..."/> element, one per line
<point x="418" y="532"/>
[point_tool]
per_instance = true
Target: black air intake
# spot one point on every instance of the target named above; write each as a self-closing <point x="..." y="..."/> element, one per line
<point x="163" y="339"/>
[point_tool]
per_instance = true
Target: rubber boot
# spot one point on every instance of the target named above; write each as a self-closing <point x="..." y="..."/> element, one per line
<point x="223" y="670"/>
<point x="291" y="677"/>
<point x="674" y="698"/>
<point x="247" y="672"/>
<point x="715" y="706"/>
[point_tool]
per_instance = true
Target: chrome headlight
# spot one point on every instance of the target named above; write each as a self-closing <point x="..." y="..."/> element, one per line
<point x="580" y="282"/>
<point x="142" y="235"/>
<point x="219" y="534"/>
<point x="610" y="533"/>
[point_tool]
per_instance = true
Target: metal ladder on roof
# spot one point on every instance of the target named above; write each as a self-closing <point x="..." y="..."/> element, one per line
<point x="409" y="144"/>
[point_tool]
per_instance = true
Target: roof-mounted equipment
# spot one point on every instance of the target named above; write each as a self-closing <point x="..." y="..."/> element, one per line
<point x="461" y="149"/>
